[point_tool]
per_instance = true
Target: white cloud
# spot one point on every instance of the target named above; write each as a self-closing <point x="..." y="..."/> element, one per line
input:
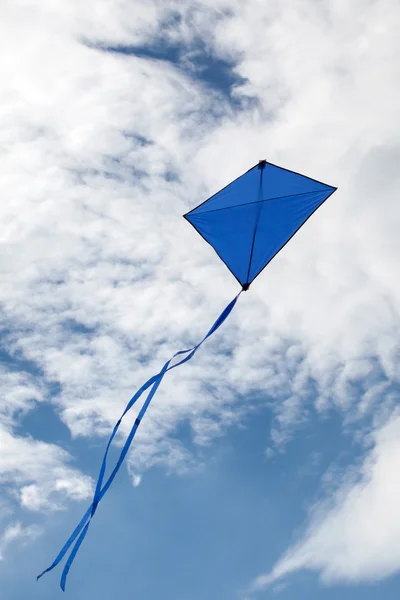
<point x="354" y="536"/>
<point x="19" y="392"/>
<point x="16" y="532"/>
<point x="33" y="472"/>
<point x="116" y="242"/>
<point x="36" y="474"/>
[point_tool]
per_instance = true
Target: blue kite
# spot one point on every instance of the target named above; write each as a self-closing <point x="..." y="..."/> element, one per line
<point x="247" y="223"/>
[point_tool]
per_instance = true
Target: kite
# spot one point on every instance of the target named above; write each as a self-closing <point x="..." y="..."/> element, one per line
<point x="247" y="223"/>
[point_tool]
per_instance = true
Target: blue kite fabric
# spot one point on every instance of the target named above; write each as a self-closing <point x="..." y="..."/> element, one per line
<point x="250" y="220"/>
<point x="247" y="223"/>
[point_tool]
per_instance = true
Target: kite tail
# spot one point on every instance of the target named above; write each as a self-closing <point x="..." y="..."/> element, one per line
<point x="153" y="383"/>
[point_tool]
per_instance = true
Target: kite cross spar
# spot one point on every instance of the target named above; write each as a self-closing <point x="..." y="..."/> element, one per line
<point x="247" y="223"/>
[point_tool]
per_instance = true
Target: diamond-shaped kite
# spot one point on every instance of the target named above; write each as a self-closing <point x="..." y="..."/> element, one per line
<point x="247" y="223"/>
<point x="252" y="218"/>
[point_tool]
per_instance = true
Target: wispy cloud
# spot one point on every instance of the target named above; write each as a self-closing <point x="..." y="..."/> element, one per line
<point x="353" y="537"/>
<point x="16" y="532"/>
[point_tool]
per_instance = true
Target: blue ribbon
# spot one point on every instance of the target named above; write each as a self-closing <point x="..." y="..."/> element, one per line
<point x="153" y="383"/>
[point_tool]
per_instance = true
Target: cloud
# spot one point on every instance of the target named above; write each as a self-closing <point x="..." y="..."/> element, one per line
<point x="354" y="536"/>
<point x="16" y="532"/>
<point x="20" y="391"/>
<point x="36" y="474"/>
<point x="88" y="166"/>
<point x="32" y="472"/>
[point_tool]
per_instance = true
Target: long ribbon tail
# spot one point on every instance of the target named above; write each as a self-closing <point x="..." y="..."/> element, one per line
<point x="71" y="557"/>
<point x="88" y="513"/>
<point x="100" y="490"/>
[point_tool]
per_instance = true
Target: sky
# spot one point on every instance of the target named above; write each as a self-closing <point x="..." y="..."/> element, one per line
<point x="268" y="466"/>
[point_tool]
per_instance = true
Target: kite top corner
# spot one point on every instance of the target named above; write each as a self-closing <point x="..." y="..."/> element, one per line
<point x="262" y="163"/>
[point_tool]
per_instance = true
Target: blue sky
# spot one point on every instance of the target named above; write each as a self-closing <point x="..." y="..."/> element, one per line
<point x="203" y="534"/>
<point x="267" y="466"/>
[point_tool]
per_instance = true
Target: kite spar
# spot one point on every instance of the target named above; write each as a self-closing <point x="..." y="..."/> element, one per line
<point x="247" y="223"/>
